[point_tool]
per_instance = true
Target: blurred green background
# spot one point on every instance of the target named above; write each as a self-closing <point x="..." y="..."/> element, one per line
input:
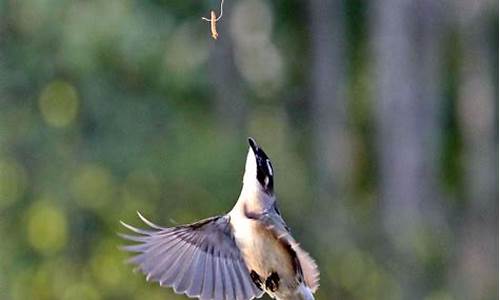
<point x="381" y="118"/>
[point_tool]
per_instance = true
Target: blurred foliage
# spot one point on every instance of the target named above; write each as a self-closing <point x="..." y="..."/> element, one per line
<point x="107" y="108"/>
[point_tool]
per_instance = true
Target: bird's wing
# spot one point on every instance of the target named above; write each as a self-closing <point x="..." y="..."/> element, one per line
<point x="309" y="268"/>
<point x="200" y="259"/>
<point x="275" y="223"/>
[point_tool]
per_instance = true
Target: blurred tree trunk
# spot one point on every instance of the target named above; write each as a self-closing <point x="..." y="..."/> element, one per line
<point x="230" y="105"/>
<point x="407" y="38"/>
<point x="329" y="105"/>
<point x="331" y="144"/>
<point x="477" y="276"/>
<point x="331" y="139"/>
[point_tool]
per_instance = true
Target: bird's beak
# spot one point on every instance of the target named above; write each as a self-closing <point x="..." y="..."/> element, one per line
<point x="253" y="145"/>
<point x="260" y="166"/>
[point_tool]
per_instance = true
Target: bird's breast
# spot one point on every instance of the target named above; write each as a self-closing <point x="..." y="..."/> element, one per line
<point x="263" y="252"/>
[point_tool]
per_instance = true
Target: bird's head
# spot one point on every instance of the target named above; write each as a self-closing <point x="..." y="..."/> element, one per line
<point x="258" y="169"/>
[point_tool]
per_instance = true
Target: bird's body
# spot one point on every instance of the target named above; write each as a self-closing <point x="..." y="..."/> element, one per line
<point x="239" y="255"/>
<point x="265" y="254"/>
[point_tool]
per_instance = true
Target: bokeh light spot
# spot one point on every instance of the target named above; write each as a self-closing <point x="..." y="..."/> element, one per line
<point x="187" y="50"/>
<point x="251" y="22"/>
<point x="93" y="186"/>
<point x="47" y="227"/>
<point x="257" y="58"/>
<point x="107" y="267"/>
<point x="58" y="104"/>
<point x="12" y="182"/>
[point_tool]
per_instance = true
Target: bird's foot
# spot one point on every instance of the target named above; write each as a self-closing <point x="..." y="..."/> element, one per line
<point x="256" y="279"/>
<point x="272" y="282"/>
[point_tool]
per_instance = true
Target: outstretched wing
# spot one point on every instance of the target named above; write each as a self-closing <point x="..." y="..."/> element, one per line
<point x="200" y="259"/>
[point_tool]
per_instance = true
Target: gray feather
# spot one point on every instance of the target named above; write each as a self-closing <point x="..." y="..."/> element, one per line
<point x="208" y="279"/>
<point x="172" y="264"/>
<point x="196" y="284"/>
<point x="184" y="279"/>
<point x="199" y="259"/>
<point x="248" y="285"/>
<point x="236" y="280"/>
<point x="229" y="283"/>
<point x="159" y="263"/>
<point x="218" y="280"/>
<point x="184" y="262"/>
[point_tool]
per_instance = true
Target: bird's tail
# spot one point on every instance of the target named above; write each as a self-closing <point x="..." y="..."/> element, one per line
<point x="302" y="293"/>
<point x="305" y="293"/>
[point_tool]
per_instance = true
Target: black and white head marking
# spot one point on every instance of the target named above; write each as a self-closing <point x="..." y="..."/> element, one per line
<point x="264" y="168"/>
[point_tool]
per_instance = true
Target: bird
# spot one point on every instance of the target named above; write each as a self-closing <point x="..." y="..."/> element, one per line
<point x="240" y="255"/>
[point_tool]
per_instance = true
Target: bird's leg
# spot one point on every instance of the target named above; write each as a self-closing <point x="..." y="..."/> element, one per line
<point x="272" y="282"/>
<point x="256" y="279"/>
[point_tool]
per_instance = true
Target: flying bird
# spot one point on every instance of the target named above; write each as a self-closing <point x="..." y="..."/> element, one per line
<point x="239" y="255"/>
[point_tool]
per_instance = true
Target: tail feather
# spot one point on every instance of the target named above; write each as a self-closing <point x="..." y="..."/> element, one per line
<point x="301" y="293"/>
<point x="305" y="293"/>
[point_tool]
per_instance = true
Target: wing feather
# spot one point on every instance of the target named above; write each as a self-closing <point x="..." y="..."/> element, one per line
<point x="219" y="280"/>
<point x="208" y="279"/>
<point x="200" y="259"/>
<point x="184" y="279"/>
<point x="309" y="268"/>
<point x="306" y="264"/>
<point x="177" y="263"/>
<point x="235" y="278"/>
<point x="250" y="287"/>
<point x="160" y="263"/>
<point x="196" y="282"/>
<point x="229" y="283"/>
<point x="246" y="285"/>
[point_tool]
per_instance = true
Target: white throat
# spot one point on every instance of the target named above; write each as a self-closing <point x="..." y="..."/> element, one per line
<point x="252" y="195"/>
<point x="250" y="176"/>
